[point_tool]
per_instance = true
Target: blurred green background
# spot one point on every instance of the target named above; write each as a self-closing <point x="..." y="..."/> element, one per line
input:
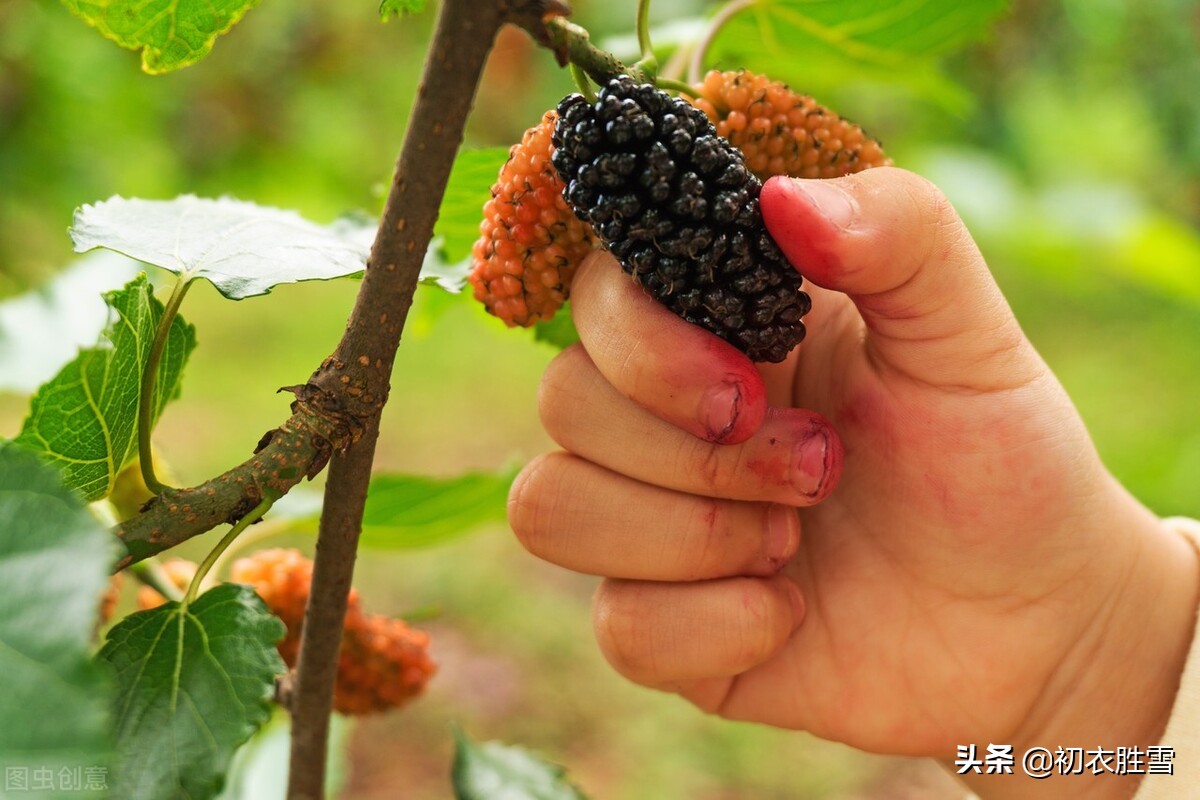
<point x="1069" y="139"/>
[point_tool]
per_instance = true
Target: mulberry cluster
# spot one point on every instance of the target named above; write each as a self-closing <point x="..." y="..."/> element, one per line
<point x="784" y="133"/>
<point x="383" y="663"/>
<point x="530" y="243"/>
<point x="678" y="208"/>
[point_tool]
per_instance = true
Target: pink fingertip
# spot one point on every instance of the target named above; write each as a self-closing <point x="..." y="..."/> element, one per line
<point x="807" y="236"/>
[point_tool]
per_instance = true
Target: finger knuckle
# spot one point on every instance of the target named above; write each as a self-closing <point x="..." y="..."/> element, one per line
<point x="532" y="501"/>
<point x="559" y="390"/>
<point x="713" y="466"/>
<point x="624" y="635"/>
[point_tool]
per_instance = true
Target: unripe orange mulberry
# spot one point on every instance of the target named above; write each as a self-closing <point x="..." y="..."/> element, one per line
<point x="530" y="242"/>
<point x="784" y="133"/>
<point x="383" y="663"/>
<point x="282" y="577"/>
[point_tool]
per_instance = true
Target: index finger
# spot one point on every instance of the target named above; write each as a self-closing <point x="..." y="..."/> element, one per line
<point x="677" y="371"/>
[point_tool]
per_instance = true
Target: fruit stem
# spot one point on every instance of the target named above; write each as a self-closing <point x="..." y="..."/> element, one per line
<point x="581" y="81"/>
<point x="647" y="62"/>
<point x="600" y="65"/>
<point x="245" y="522"/>
<point x="146" y="404"/>
<point x="677" y="86"/>
<point x="727" y="12"/>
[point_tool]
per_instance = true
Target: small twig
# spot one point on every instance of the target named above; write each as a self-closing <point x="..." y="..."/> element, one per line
<point x="573" y="45"/>
<point x="146" y="401"/>
<point x="700" y="51"/>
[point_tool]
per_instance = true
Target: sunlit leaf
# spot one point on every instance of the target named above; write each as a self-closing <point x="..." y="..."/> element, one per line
<point x="406" y="511"/>
<point x="43" y="329"/>
<point x="492" y="770"/>
<point x="1164" y="254"/>
<point x="398" y="8"/>
<point x="244" y="249"/>
<point x="54" y="562"/>
<point x="469" y="188"/>
<point x="438" y="270"/>
<point x="816" y="44"/>
<point x="193" y="684"/>
<point x="170" y="33"/>
<point x="84" y="421"/>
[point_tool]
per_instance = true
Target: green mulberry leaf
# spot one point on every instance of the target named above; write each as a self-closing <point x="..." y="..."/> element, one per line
<point x="84" y="420"/>
<point x="54" y="562"/>
<point x="170" y="33"/>
<point x="194" y="683"/>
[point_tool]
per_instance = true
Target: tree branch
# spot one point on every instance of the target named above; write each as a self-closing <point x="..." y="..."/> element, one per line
<point x="453" y="66"/>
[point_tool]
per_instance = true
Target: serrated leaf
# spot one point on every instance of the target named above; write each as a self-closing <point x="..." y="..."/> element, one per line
<point x="43" y="329"/>
<point x="398" y="8"/>
<point x="84" y="421"/>
<point x="54" y="562"/>
<point x="559" y="331"/>
<point x="170" y="33"/>
<point x="469" y="187"/>
<point x="800" y="41"/>
<point x="406" y="511"/>
<point x="492" y="770"/>
<point x="193" y="684"/>
<point x="242" y="248"/>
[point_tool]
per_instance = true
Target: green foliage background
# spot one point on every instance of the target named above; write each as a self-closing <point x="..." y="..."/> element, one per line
<point x="1069" y="140"/>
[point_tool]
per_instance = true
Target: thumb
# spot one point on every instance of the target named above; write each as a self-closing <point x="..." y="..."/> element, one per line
<point x="890" y="240"/>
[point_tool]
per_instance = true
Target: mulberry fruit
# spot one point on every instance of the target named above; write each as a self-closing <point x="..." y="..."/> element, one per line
<point x="784" y="133"/>
<point x="678" y="208"/>
<point x="282" y="577"/>
<point x="382" y="664"/>
<point x="530" y="243"/>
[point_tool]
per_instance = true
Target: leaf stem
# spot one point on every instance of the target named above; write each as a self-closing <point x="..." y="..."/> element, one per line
<point x="728" y="12"/>
<point x="146" y="400"/>
<point x="245" y="522"/>
<point x="151" y="573"/>
<point x="270" y="528"/>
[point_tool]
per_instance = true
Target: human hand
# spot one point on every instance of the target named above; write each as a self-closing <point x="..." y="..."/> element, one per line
<point x="976" y="577"/>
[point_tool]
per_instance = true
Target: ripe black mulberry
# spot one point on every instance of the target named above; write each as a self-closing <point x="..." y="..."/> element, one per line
<point x="678" y="208"/>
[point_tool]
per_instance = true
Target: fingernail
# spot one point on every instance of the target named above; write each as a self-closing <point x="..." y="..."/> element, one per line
<point x="719" y="410"/>
<point x="796" y="599"/>
<point x="830" y="200"/>
<point x="783" y="534"/>
<point x="809" y="466"/>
